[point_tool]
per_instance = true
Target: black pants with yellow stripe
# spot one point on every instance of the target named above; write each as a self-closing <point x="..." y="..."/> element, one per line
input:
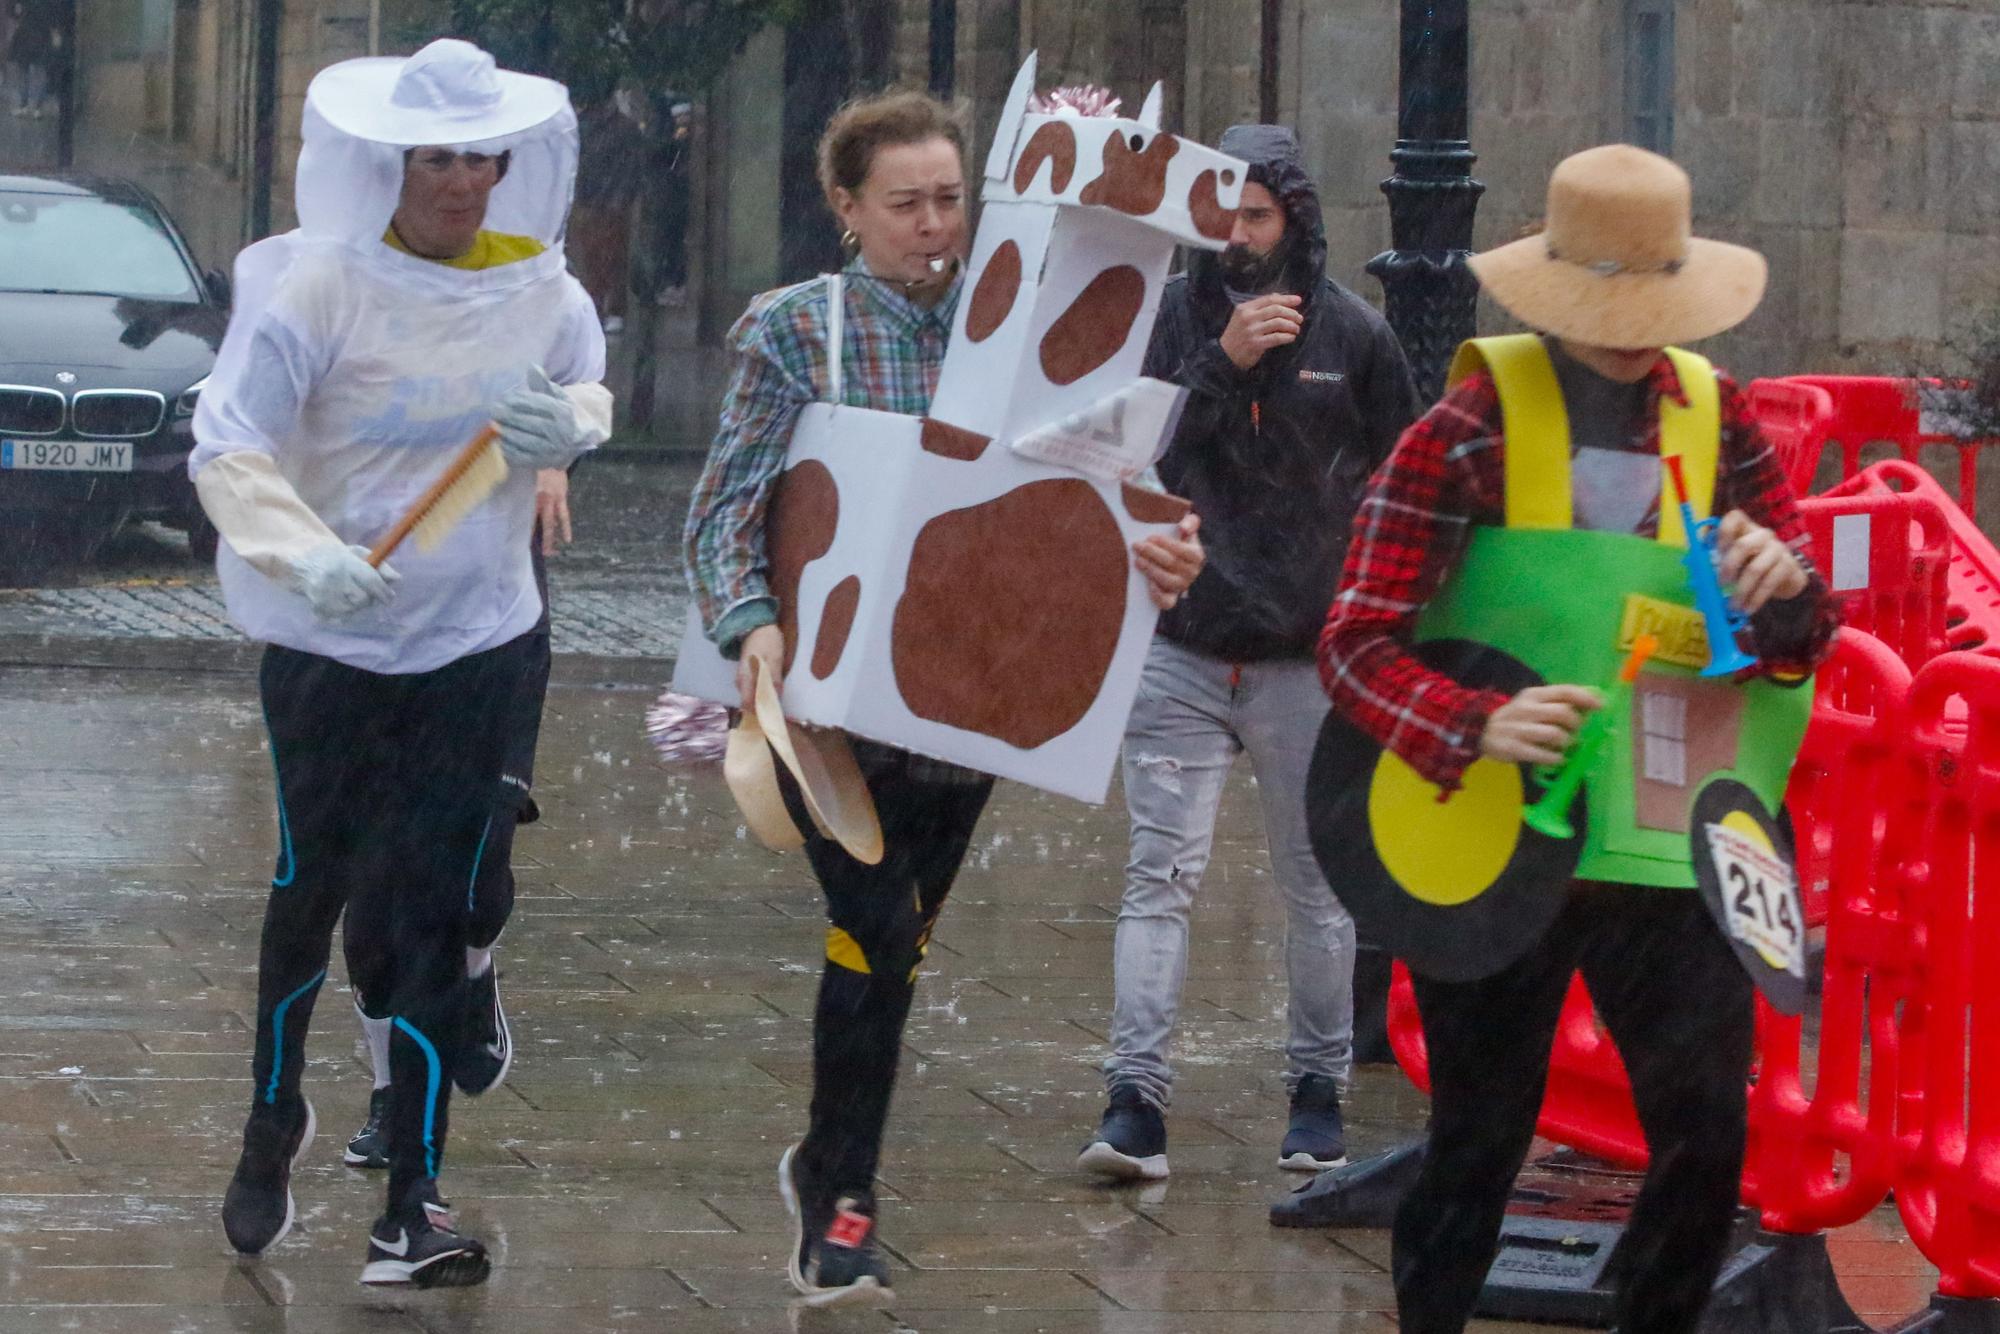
<point x="879" y="924"/>
<point x="386" y="800"/>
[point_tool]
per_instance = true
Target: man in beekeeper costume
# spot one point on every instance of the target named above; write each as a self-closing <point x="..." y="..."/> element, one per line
<point x="422" y="297"/>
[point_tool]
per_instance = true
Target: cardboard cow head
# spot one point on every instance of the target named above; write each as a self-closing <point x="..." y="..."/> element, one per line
<point x="1081" y="217"/>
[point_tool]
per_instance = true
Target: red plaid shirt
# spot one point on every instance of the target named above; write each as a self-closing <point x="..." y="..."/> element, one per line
<point x="1444" y="476"/>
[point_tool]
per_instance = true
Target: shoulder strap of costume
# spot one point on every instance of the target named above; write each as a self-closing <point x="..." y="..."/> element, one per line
<point x="1535" y="423"/>
<point x="1694" y="433"/>
<point x="836" y="338"/>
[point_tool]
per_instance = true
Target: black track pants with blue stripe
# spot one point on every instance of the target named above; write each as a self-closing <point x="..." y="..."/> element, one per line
<point x="386" y="800"/>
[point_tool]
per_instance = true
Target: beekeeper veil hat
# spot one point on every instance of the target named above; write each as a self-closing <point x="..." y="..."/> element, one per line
<point x="362" y="116"/>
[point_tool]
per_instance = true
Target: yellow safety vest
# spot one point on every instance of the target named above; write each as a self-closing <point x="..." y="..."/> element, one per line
<point x="1537" y="459"/>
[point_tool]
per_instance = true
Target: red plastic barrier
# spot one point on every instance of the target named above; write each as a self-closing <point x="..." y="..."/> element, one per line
<point x="1972" y="572"/>
<point x="1869" y="410"/>
<point x="1797" y="419"/>
<point x="1886" y="551"/>
<point x="1588" y="1104"/>
<point x="1941" y="838"/>
<point x="1825" y="1158"/>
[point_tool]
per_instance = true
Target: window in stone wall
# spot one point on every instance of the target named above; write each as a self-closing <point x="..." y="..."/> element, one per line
<point x="1649" y="74"/>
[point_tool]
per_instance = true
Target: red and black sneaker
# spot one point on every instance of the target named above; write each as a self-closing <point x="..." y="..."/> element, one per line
<point x="834" y="1259"/>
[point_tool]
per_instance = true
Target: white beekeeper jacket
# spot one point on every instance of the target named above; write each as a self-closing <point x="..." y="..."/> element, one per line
<point x="353" y="373"/>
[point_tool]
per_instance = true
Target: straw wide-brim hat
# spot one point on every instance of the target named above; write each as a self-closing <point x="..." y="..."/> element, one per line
<point x="449" y="93"/>
<point x="835" y="794"/>
<point x="1617" y="264"/>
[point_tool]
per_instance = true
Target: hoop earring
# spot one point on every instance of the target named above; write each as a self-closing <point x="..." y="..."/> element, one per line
<point x="849" y="241"/>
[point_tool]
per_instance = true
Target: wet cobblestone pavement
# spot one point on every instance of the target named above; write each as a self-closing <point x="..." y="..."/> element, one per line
<point x="618" y="593"/>
<point x="660" y="973"/>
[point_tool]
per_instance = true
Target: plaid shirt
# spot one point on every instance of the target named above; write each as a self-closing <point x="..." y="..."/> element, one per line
<point x="1446" y="475"/>
<point x="894" y="350"/>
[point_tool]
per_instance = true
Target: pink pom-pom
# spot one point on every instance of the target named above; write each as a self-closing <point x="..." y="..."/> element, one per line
<point x="686" y="730"/>
<point x="1076" y="99"/>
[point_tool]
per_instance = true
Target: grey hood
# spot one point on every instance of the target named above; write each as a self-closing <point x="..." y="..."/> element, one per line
<point x="1276" y="163"/>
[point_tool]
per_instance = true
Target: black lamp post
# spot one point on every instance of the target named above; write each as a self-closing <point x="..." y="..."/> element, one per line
<point x="1431" y="294"/>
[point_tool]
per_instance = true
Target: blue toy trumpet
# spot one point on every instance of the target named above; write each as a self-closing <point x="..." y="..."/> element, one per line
<point x="1724" y="622"/>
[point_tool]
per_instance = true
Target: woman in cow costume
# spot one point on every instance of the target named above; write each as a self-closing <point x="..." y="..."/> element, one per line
<point x="893" y="172"/>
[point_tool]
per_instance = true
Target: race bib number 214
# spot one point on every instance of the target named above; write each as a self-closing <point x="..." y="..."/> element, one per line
<point x="1743" y="870"/>
<point x="1762" y="898"/>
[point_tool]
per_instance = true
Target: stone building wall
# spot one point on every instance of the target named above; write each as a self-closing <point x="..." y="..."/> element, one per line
<point x="1855" y="142"/>
<point x="165" y="96"/>
<point x="910" y="65"/>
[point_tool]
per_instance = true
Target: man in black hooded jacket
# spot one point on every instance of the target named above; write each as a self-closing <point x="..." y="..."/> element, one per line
<point x="1297" y="391"/>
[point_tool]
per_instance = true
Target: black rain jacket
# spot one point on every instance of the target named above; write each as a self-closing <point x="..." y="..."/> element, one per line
<point x="1274" y="459"/>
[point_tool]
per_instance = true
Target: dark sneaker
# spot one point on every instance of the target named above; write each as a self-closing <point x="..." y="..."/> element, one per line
<point x="487" y="1052"/>
<point x="834" y="1261"/>
<point x="257" y="1211"/>
<point x="1131" y="1143"/>
<point x="1316" y="1140"/>
<point x="370" y="1145"/>
<point x="419" y="1246"/>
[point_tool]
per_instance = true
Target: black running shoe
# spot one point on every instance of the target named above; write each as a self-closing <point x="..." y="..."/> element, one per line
<point x="418" y="1245"/>
<point x="834" y="1259"/>
<point x="370" y="1145"/>
<point x="257" y="1211"/>
<point x="487" y="1051"/>
<point x="1131" y="1142"/>
<point x="1316" y="1139"/>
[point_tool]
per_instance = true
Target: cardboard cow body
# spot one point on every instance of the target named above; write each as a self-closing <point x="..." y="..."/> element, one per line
<point x="939" y="589"/>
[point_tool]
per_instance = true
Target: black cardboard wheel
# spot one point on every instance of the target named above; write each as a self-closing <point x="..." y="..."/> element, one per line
<point x="1457" y="890"/>
<point x="1748" y="880"/>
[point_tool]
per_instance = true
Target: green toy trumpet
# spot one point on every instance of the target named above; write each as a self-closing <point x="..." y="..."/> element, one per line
<point x="1550" y="815"/>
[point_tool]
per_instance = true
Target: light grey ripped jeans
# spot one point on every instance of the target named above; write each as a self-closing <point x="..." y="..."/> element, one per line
<point x="1193" y="716"/>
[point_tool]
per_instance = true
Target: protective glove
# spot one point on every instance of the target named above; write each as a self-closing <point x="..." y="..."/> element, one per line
<point x="338" y="580"/>
<point x="538" y="426"/>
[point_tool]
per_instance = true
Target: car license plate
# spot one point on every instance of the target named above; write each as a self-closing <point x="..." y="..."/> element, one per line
<point x="66" y="455"/>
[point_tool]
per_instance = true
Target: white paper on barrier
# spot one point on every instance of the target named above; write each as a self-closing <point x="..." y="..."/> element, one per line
<point x="1115" y="439"/>
<point x="1850" y="551"/>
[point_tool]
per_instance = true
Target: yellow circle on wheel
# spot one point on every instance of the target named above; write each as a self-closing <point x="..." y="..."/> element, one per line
<point x="1445" y="853"/>
<point x="1744" y="823"/>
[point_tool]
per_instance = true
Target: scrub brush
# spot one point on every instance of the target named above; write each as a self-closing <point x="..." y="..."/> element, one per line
<point x="479" y="467"/>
